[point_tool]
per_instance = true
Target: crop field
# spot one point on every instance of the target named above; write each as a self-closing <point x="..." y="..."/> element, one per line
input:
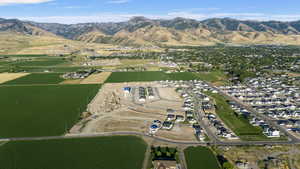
<point x="237" y="124"/>
<point x="118" y="152"/>
<point x="28" y="111"/>
<point x="37" y="78"/>
<point x="55" y="69"/>
<point x="182" y="76"/>
<point x="40" y="62"/>
<point x="200" y="158"/>
<point x="25" y="55"/>
<point x="118" y="77"/>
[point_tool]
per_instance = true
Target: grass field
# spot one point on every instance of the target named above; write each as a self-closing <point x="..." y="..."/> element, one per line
<point x="238" y="125"/>
<point x="37" y="78"/>
<point x="119" y="152"/>
<point x="28" y="111"/>
<point x="118" y="77"/>
<point x="213" y="77"/>
<point x="200" y="158"/>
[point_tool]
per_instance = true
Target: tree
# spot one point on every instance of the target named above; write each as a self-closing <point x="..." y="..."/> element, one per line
<point x="227" y="165"/>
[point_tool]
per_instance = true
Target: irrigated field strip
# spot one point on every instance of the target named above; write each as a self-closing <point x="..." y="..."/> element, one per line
<point x="47" y="110"/>
<point x="200" y="158"/>
<point x="117" y="152"/>
<point x="37" y="78"/>
<point x="118" y="77"/>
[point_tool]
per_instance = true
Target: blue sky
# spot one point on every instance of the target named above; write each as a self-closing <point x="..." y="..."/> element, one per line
<point x="77" y="11"/>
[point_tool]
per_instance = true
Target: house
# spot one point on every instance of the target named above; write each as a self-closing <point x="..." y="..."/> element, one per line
<point x="168" y="125"/>
<point x="191" y="120"/>
<point x="153" y="128"/>
<point x="165" y="164"/>
<point x="179" y="118"/>
<point x="270" y="132"/>
<point x="127" y="90"/>
<point x="189" y="114"/>
<point x="150" y="92"/>
<point x="171" y="117"/>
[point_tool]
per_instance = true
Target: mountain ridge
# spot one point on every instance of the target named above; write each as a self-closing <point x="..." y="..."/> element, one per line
<point x="141" y="31"/>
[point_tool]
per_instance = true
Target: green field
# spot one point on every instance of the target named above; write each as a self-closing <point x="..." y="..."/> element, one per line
<point x="60" y="69"/>
<point x="25" y="55"/>
<point x="118" y="152"/>
<point x="213" y="77"/>
<point x="37" y="78"/>
<point x="118" y="77"/>
<point x="200" y="158"/>
<point x="239" y="125"/>
<point x="28" y="111"/>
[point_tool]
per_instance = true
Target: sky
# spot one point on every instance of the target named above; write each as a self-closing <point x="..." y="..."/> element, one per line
<point x="82" y="11"/>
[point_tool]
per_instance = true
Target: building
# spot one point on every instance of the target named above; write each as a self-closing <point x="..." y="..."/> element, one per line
<point x="165" y="164"/>
<point x="127" y="90"/>
<point x="168" y="125"/>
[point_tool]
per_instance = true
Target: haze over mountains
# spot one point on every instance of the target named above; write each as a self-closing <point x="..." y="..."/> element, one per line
<point x="140" y="31"/>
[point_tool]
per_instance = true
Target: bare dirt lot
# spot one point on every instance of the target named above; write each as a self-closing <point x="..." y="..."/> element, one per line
<point x="114" y="110"/>
<point x="279" y="157"/>
<point x="5" y="77"/>
<point x="104" y="62"/>
<point x="96" y="78"/>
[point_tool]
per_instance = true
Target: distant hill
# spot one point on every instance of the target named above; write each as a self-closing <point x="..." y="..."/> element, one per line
<point x="141" y="31"/>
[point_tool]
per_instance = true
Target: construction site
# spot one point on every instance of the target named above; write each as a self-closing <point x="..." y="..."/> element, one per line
<point x="135" y="107"/>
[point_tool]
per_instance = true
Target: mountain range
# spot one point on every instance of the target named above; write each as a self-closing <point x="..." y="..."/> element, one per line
<point x="141" y="31"/>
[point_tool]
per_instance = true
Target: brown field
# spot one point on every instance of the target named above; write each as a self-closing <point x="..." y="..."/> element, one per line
<point x="5" y="77"/>
<point x="72" y="81"/>
<point x="96" y="78"/>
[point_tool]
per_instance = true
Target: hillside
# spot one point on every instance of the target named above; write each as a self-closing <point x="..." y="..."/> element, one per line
<point x="140" y="31"/>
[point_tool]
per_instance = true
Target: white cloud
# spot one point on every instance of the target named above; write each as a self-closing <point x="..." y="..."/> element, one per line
<point x="9" y="2"/>
<point x="118" y="1"/>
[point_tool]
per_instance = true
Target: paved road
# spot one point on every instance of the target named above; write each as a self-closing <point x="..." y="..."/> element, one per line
<point x="164" y="140"/>
<point x="199" y="117"/>
<point x="292" y="138"/>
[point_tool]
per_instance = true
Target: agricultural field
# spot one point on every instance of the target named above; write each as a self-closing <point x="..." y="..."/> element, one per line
<point x="50" y="110"/>
<point x="5" y="77"/>
<point x="37" y="78"/>
<point x="201" y="158"/>
<point x="55" y="69"/>
<point x="36" y="55"/>
<point x="216" y="77"/>
<point x="118" y="152"/>
<point x="97" y="78"/>
<point x="239" y="125"/>
<point x="118" y="77"/>
<point x="40" y="62"/>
